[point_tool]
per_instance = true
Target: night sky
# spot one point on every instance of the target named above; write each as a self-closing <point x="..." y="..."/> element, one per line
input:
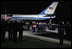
<point x="63" y="11"/>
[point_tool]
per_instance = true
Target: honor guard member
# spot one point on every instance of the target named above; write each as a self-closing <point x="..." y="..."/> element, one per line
<point x="61" y="28"/>
<point x="3" y="30"/>
<point x="21" y="31"/>
<point x="10" y="30"/>
<point x="15" y="31"/>
<point x="68" y="29"/>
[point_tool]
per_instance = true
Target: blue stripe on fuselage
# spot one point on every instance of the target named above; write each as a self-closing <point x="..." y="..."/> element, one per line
<point x="31" y="17"/>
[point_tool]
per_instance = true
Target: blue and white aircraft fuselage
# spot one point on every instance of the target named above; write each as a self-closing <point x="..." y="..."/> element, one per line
<point x="45" y="14"/>
<point x="36" y="17"/>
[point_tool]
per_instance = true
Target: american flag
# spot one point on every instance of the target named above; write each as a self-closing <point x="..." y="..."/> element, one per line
<point x="50" y="7"/>
<point x="5" y="17"/>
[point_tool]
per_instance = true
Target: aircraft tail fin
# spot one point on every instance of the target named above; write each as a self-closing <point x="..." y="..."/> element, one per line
<point x="50" y="9"/>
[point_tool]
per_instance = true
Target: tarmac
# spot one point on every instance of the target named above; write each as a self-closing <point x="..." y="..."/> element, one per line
<point x="32" y="40"/>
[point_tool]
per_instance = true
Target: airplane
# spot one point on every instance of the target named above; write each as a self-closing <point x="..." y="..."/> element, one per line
<point x="45" y="14"/>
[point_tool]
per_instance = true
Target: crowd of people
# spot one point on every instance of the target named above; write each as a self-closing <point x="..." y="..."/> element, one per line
<point x="39" y="27"/>
<point x="13" y="27"/>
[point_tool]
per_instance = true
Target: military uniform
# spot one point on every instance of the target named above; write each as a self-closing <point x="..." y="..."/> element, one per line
<point x="61" y="32"/>
<point x="10" y="30"/>
<point x="20" y="31"/>
<point x="15" y="31"/>
<point x="3" y="30"/>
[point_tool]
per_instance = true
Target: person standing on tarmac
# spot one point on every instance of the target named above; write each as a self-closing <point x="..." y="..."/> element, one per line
<point x="44" y="27"/>
<point x="28" y="25"/>
<point x="3" y="30"/>
<point x="37" y="24"/>
<point x="34" y="26"/>
<point x="10" y="30"/>
<point x="61" y="28"/>
<point x="68" y="29"/>
<point x="15" y="31"/>
<point x="20" y="30"/>
<point x="39" y="27"/>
